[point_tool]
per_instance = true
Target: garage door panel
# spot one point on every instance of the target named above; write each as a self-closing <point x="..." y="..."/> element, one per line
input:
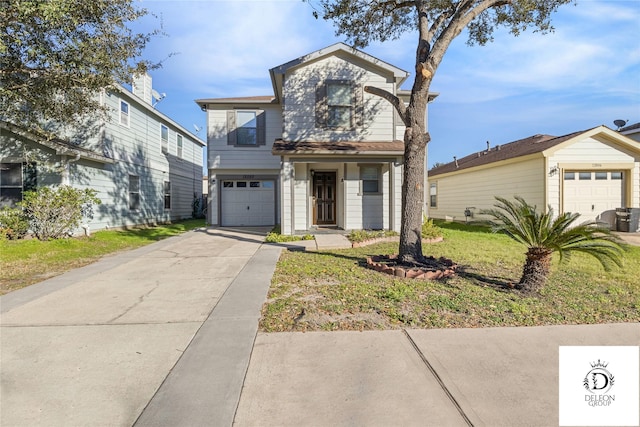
<point x="593" y="199"/>
<point x="250" y="204"/>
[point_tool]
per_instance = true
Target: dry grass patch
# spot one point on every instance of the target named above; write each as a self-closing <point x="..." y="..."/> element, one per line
<point x="333" y="290"/>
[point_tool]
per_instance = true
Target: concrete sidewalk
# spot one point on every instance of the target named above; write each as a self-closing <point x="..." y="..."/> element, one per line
<point x="166" y="335"/>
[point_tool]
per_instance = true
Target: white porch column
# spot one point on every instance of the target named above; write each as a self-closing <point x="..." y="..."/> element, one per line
<point x="286" y="201"/>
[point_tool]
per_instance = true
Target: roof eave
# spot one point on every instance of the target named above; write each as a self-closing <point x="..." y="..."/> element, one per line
<point x="336" y="152"/>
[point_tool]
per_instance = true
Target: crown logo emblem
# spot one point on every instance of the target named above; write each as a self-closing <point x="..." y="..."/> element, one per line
<point x="599" y="364"/>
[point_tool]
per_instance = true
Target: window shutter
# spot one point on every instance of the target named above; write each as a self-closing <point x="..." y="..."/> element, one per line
<point x="321" y="105"/>
<point x="232" y="137"/>
<point x="261" y="128"/>
<point x="357" y="119"/>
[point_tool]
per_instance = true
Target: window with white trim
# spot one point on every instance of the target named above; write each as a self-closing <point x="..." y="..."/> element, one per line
<point x="433" y="195"/>
<point x="134" y="192"/>
<point x="15" y="179"/>
<point x="179" y="145"/>
<point x="164" y="139"/>
<point x="370" y="176"/>
<point x="124" y="113"/>
<point x="338" y="105"/>
<point x="246" y="128"/>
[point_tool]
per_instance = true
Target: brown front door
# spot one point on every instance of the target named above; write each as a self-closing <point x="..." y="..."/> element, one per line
<point x="324" y="198"/>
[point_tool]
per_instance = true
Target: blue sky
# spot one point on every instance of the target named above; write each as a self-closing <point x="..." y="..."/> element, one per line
<point x="585" y="74"/>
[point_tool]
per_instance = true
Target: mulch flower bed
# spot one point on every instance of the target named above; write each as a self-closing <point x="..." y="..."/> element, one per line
<point x="433" y="269"/>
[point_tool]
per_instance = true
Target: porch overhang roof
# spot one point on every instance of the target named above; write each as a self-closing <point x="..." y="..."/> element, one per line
<point x="381" y="148"/>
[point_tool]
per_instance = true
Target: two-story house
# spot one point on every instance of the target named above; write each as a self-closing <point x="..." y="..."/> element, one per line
<point x="145" y="167"/>
<point x="318" y="152"/>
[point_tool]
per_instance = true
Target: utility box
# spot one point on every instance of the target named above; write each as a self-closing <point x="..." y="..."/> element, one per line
<point x="623" y="218"/>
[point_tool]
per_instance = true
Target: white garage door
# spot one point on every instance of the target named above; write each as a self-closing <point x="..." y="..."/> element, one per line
<point x="248" y="203"/>
<point x="594" y="195"/>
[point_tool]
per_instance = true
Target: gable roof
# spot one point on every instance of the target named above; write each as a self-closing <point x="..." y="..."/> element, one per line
<point x="277" y="73"/>
<point x="543" y="144"/>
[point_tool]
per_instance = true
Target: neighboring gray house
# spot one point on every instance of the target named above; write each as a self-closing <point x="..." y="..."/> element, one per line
<point x="318" y="152"/>
<point x="631" y="131"/>
<point x="145" y="167"/>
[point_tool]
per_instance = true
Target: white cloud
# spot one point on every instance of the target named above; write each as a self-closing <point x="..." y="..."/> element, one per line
<point x="220" y="43"/>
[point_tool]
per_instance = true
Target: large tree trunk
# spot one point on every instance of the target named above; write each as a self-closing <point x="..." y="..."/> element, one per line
<point x="413" y="195"/>
<point x="536" y="270"/>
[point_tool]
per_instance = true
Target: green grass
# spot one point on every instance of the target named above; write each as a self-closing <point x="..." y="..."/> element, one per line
<point x="332" y="290"/>
<point x="25" y="262"/>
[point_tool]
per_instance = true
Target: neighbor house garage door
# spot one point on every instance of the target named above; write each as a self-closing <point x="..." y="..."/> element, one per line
<point x="247" y="203"/>
<point x="594" y="195"/>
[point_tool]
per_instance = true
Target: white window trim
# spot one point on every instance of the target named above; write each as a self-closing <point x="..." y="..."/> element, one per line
<point x="128" y="115"/>
<point x="433" y="191"/>
<point x="164" y="142"/>
<point x="379" y="172"/>
<point x="179" y="146"/>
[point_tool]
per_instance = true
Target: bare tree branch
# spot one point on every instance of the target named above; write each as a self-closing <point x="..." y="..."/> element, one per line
<point x="394" y="100"/>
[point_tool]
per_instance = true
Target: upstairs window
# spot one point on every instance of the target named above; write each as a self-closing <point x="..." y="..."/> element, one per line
<point x="179" y="145"/>
<point x="246" y="128"/>
<point x="338" y="105"/>
<point x="164" y="139"/>
<point x="124" y="113"/>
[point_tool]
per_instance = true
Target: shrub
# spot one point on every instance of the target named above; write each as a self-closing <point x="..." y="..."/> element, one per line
<point x="359" y="236"/>
<point x="56" y="212"/>
<point x="429" y="229"/>
<point x="274" y="236"/>
<point x="13" y="223"/>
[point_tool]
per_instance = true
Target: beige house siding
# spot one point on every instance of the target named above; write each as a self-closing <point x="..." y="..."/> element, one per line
<point x="592" y="154"/>
<point x="477" y="189"/>
<point x="300" y="101"/>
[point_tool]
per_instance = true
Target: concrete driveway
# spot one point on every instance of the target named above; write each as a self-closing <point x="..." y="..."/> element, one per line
<point x="93" y="346"/>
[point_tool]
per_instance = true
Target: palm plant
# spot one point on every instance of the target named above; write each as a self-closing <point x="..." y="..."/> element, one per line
<point x="543" y="235"/>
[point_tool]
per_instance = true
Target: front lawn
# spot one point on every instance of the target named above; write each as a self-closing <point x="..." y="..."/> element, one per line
<point x="332" y="290"/>
<point x="25" y="262"/>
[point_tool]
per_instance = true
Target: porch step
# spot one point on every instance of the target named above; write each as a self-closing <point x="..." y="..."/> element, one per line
<point x="331" y="241"/>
